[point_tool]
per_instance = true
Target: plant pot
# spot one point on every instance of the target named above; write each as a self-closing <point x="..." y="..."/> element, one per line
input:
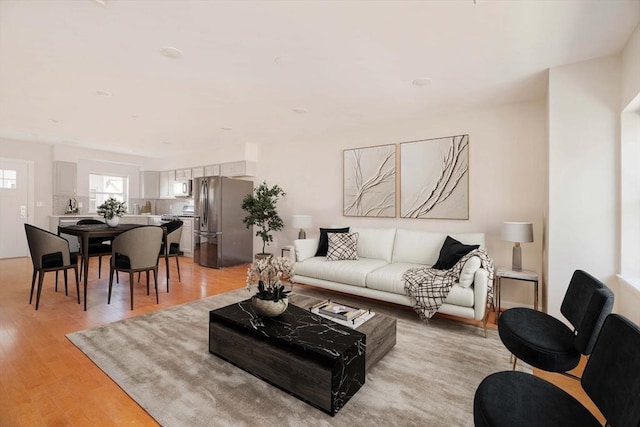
<point x="113" y="222"/>
<point x="262" y="255"/>
<point x="269" y="308"/>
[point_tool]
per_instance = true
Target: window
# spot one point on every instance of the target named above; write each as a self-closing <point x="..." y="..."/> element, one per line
<point x="8" y="178"/>
<point x="101" y="187"/>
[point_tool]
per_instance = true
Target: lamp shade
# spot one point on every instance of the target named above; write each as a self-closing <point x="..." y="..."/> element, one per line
<point x="301" y="221"/>
<point x="521" y="232"/>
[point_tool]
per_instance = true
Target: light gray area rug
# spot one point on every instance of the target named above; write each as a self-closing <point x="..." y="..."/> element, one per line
<point x="162" y="361"/>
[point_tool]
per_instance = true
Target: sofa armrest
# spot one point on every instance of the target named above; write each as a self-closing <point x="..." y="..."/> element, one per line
<point x="480" y="287"/>
<point x="304" y="248"/>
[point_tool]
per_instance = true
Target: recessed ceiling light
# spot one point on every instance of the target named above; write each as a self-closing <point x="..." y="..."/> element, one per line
<point x="300" y="110"/>
<point x="103" y="92"/>
<point x="134" y="116"/>
<point x="171" y="52"/>
<point x="55" y="121"/>
<point x="101" y="2"/>
<point x="166" y="143"/>
<point x="423" y="81"/>
<point x="226" y="128"/>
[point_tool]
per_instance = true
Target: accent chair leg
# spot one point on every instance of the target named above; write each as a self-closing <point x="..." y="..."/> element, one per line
<point x="33" y="283"/>
<point x="56" y="281"/>
<point x="515" y="360"/>
<point x="99" y="265"/>
<point x="147" y="274"/>
<point x="66" y="289"/>
<point x="40" y="280"/>
<point x="178" y="266"/>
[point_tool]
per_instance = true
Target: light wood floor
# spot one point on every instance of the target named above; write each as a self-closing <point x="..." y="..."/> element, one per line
<point x="46" y="381"/>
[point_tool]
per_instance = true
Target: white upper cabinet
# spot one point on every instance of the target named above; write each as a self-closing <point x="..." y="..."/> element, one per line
<point x="183" y="173"/>
<point x="166" y="184"/>
<point x="150" y="185"/>
<point x="65" y="178"/>
<point x="212" y="170"/>
<point x="197" y="172"/>
<point x="241" y="168"/>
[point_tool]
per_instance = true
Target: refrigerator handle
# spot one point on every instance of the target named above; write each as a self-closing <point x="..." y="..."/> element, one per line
<point x="204" y="203"/>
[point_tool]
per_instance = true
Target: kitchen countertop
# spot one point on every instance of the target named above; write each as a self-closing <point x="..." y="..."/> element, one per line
<point x="98" y="216"/>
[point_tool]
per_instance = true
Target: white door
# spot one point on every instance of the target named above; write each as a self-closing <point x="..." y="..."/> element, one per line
<point x="14" y="207"/>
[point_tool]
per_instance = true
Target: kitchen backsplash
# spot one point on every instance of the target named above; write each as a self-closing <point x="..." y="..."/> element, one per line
<point x="158" y="207"/>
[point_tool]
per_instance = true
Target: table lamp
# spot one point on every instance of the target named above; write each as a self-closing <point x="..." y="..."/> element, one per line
<point x="517" y="232"/>
<point x="301" y="222"/>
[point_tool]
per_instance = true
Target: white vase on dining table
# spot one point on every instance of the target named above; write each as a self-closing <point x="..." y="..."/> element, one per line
<point x="113" y="222"/>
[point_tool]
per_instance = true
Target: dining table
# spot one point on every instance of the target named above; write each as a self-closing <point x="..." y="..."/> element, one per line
<point x="89" y="231"/>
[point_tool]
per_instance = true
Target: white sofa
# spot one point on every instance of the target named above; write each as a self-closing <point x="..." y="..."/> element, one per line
<point x="384" y="255"/>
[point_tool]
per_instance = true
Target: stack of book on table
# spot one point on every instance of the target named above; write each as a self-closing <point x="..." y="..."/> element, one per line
<point x="341" y="313"/>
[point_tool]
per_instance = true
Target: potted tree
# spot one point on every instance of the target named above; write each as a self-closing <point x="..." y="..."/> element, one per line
<point x="261" y="206"/>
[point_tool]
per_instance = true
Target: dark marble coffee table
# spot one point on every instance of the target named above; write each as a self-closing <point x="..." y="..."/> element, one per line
<point x="314" y="359"/>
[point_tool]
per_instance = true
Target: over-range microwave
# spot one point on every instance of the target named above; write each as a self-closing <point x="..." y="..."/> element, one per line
<point x="182" y="188"/>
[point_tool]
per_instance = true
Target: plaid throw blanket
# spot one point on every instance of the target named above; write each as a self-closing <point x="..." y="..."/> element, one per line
<point x="428" y="287"/>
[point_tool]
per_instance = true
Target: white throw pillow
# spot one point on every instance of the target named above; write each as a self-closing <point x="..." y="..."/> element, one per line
<point x="305" y="248"/>
<point x="469" y="271"/>
<point x="342" y="246"/>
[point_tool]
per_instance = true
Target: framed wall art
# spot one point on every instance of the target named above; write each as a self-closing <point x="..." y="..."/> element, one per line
<point x="369" y="181"/>
<point x="434" y="178"/>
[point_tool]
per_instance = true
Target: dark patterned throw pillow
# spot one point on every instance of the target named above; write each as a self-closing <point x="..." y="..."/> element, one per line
<point x="323" y="244"/>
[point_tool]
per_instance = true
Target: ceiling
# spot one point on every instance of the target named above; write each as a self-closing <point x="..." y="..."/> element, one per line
<point x="90" y="73"/>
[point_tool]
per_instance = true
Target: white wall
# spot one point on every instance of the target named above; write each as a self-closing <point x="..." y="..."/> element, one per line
<point x="507" y="176"/>
<point x="584" y="101"/>
<point x="630" y="78"/>
<point x="41" y="156"/>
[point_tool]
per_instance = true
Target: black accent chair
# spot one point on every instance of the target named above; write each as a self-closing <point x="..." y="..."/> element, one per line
<point x="547" y="343"/>
<point x="98" y="246"/>
<point x="134" y="251"/>
<point x="611" y="379"/>
<point x="49" y="252"/>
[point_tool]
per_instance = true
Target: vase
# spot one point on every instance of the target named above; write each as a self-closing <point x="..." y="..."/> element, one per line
<point x="269" y="308"/>
<point x="113" y="222"/>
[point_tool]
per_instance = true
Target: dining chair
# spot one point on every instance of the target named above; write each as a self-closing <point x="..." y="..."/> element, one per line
<point x="172" y="246"/>
<point x="133" y="251"/>
<point x="49" y="252"/>
<point x="98" y="246"/>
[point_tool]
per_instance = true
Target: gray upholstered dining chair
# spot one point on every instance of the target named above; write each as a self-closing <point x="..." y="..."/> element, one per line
<point x="136" y="250"/>
<point x="49" y="252"/>
<point x="611" y="379"/>
<point x="546" y="342"/>
<point x="98" y="246"/>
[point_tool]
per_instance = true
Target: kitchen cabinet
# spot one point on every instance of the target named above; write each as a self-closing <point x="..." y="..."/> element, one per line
<point x="197" y="172"/>
<point x="166" y="184"/>
<point x="212" y="170"/>
<point x="65" y="178"/>
<point x="183" y="174"/>
<point x="186" y="239"/>
<point x="241" y="168"/>
<point x="150" y="185"/>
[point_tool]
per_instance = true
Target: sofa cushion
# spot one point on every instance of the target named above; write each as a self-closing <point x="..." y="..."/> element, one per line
<point x="451" y="252"/>
<point x="376" y="242"/>
<point x="469" y="271"/>
<point x="305" y="248"/>
<point x="389" y="279"/>
<point x="417" y="247"/>
<point x="347" y="272"/>
<point x="323" y="244"/>
<point x="342" y="246"/>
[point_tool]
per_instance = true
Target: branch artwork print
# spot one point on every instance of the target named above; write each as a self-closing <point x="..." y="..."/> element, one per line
<point x="370" y="181"/>
<point x="434" y="178"/>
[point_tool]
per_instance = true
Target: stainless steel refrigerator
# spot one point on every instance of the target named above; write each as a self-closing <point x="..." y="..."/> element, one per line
<point x="220" y="237"/>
